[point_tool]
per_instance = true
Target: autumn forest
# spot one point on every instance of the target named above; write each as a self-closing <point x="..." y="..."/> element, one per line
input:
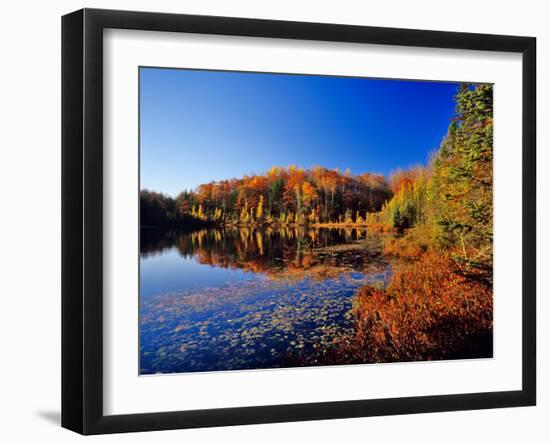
<point x="281" y="196"/>
<point x="383" y="268"/>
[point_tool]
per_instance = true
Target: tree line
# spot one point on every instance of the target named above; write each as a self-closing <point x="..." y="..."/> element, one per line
<point x="283" y="195"/>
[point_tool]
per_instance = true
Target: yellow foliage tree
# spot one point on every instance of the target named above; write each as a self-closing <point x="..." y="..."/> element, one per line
<point x="260" y="208"/>
<point x="244" y="213"/>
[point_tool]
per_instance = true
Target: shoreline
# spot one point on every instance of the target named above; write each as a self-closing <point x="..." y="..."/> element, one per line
<point x="372" y="226"/>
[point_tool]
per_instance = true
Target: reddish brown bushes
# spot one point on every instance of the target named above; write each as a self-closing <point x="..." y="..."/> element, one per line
<point x="411" y="245"/>
<point x="428" y="311"/>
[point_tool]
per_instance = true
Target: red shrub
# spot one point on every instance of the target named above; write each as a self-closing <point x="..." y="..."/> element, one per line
<point x="428" y="311"/>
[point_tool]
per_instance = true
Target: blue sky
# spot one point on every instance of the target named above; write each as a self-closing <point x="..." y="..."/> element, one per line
<point x="198" y="126"/>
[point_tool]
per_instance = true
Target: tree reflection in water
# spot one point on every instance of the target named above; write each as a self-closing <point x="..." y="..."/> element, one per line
<point x="276" y="252"/>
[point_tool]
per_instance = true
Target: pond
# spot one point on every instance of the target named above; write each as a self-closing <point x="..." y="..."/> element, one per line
<point x="245" y="298"/>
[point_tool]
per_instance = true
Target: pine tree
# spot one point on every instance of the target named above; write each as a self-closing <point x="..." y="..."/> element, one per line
<point x="463" y="178"/>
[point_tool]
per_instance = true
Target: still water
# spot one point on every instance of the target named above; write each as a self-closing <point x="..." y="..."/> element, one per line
<point x="240" y="298"/>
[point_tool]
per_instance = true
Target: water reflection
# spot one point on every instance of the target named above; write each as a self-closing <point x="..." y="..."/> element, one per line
<point x="271" y="251"/>
<point x="221" y="299"/>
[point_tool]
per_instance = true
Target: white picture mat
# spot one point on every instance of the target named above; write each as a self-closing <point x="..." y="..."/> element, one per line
<point x="127" y="392"/>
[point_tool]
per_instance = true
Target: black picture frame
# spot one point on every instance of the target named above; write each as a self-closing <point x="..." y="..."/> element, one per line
<point x="82" y="218"/>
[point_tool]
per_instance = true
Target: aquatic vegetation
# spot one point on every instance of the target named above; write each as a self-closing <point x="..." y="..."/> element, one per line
<point x="247" y="325"/>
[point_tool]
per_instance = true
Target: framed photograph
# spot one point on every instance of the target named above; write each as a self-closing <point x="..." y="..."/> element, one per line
<point x="268" y="221"/>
